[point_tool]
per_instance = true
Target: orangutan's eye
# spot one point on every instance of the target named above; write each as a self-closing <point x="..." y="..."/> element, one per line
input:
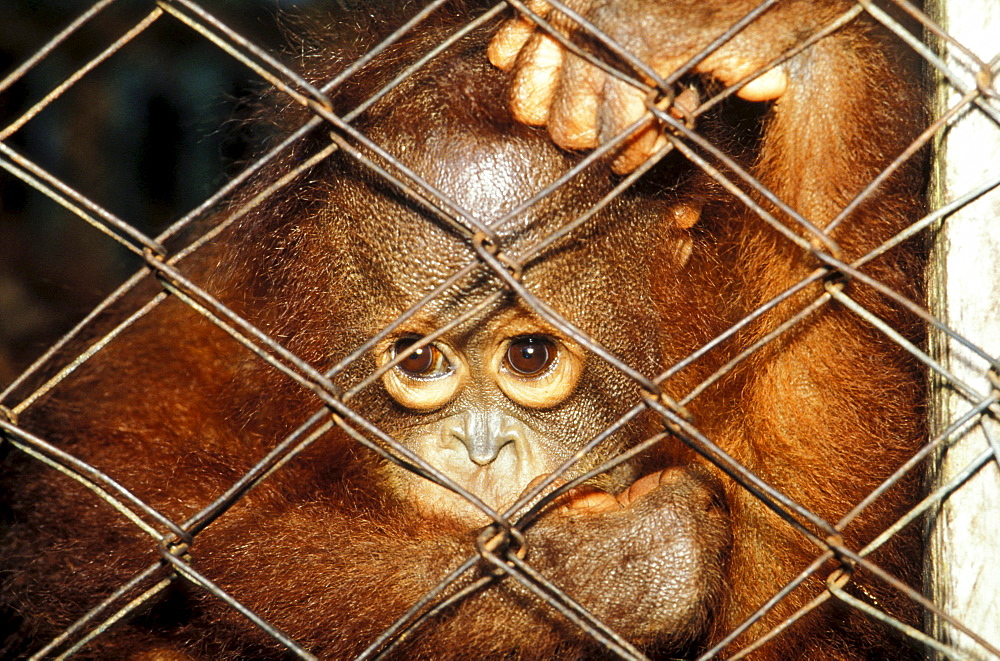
<point x="530" y="355"/>
<point x="427" y="362"/>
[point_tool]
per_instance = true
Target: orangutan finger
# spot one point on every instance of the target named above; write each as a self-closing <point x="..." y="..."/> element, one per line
<point x="536" y="80"/>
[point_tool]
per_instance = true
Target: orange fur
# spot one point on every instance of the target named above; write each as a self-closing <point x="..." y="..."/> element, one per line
<point x="175" y="411"/>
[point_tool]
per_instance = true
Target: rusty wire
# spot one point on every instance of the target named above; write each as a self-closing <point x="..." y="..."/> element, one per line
<point x="501" y="544"/>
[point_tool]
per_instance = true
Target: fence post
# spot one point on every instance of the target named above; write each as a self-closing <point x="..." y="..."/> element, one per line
<point x="963" y="559"/>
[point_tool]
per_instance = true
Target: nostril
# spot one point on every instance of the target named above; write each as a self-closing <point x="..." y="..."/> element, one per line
<point x="482" y="458"/>
<point x="455" y="429"/>
<point x="484" y="450"/>
<point x="484" y="434"/>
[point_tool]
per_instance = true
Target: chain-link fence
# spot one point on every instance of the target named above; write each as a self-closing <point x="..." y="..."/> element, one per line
<point x="537" y="330"/>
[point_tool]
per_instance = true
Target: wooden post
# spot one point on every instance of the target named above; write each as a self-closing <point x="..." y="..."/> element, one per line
<point x="963" y="559"/>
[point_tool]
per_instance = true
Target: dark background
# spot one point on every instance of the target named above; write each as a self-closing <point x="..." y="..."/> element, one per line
<point x="148" y="134"/>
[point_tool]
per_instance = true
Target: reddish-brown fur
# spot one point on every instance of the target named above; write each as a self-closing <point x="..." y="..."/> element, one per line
<point x="176" y="411"/>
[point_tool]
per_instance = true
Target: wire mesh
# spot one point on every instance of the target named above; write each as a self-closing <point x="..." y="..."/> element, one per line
<point x="246" y="449"/>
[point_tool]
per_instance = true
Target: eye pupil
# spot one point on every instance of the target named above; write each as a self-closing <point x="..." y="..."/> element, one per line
<point x="417" y="362"/>
<point x="530" y="355"/>
<point x="420" y="361"/>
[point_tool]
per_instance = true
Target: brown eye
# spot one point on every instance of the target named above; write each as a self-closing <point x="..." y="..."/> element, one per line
<point x="532" y="355"/>
<point x="425" y="362"/>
